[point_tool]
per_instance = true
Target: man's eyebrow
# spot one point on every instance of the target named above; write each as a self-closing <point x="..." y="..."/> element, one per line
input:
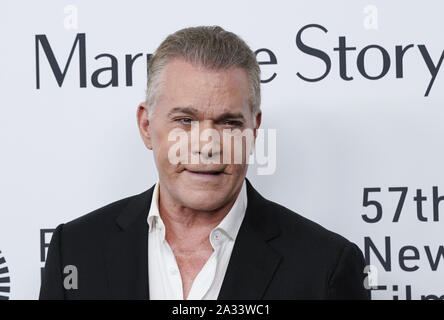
<point x="184" y="110"/>
<point x="231" y="115"/>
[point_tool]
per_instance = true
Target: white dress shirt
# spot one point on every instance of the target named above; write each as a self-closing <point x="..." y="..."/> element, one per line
<point x="165" y="282"/>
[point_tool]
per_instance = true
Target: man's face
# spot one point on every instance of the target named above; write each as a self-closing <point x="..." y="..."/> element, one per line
<point x="213" y="99"/>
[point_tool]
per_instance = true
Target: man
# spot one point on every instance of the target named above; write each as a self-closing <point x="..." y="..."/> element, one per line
<point x="203" y="231"/>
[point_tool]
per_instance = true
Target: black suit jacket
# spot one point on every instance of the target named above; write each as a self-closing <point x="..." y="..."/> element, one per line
<point x="278" y="254"/>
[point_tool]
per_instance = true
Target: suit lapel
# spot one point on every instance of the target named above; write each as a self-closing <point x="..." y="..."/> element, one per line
<point x="253" y="261"/>
<point x="127" y="251"/>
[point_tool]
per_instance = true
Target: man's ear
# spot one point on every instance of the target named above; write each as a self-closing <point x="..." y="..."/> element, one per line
<point x="143" y="122"/>
<point x="258" y="123"/>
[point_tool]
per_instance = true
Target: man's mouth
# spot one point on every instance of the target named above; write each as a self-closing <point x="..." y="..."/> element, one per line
<point x="210" y="172"/>
<point x="205" y="172"/>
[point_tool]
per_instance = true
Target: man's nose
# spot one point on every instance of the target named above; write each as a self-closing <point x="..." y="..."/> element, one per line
<point x="205" y="139"/>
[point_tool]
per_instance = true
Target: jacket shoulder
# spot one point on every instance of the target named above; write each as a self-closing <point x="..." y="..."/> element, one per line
<point x="99" y="220"/>
<point x="327" y="264"/>
<point x="305" y="231"/>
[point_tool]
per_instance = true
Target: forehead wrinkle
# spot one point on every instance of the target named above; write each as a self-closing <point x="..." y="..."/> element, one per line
<point x="211" y="92"/>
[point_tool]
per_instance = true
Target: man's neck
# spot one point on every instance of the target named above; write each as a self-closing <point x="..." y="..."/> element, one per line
<point x="181" y="222"/>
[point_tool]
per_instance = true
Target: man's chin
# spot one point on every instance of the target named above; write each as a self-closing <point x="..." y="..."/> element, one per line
<point x="204" y="200"/>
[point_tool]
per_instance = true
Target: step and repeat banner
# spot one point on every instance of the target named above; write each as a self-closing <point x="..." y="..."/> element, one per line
<point x="353" y="116"/>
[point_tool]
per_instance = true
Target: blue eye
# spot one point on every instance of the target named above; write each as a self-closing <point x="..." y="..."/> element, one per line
<point x="184" y="121"/>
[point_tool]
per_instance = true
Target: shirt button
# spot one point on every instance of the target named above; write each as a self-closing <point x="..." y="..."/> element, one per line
<point x="216" y="236"/>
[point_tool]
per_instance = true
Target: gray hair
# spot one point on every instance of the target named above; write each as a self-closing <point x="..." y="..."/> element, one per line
<point x="211" y="47"/>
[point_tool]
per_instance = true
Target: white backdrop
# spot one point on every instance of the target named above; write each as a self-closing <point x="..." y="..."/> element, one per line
<point x="67" y="150"/>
